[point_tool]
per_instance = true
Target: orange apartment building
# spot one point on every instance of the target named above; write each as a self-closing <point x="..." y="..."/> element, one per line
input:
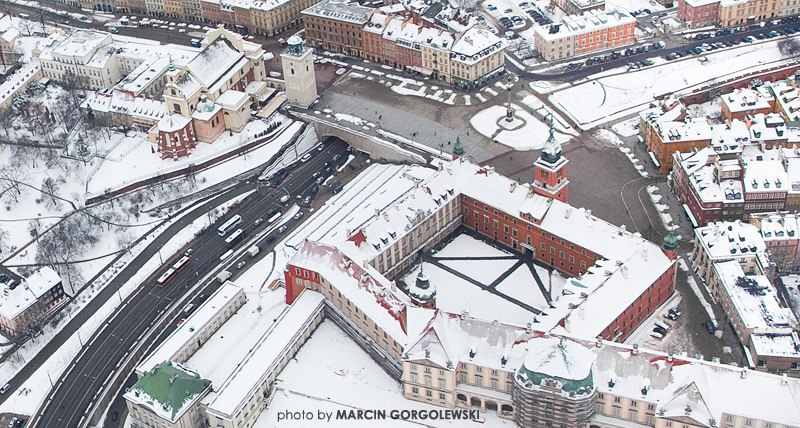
<point x="665" y="138"/>
<point x="581" y="34"/>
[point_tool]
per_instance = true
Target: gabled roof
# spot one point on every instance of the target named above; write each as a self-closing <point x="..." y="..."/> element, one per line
<point x="687" y="405"/>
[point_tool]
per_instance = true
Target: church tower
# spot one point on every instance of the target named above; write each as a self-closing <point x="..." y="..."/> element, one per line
<point x="551" y="170"/>
<point x="298" y="73"/>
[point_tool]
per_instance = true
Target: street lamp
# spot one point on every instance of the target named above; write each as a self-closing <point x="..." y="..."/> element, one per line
<point x="509" y="111"/>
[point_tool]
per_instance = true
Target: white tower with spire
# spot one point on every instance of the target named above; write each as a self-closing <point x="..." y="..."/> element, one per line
<point x="298" y="73"/>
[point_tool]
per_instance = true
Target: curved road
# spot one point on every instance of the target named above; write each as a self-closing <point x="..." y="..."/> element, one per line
<point x="74" y="395"/>
<point x="624" y="60"/>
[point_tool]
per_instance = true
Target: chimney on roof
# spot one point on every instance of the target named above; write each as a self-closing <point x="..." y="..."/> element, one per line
<point x="567" y="212"/>
<point x="624" y="271"/>
<point x="644" y="254"/>
<point x="588" y="213"/>
<point x="622" y="229"/>
<point x="635" y="350"/>
<point x="744" y="372"/>
<point x="784" y="382"/>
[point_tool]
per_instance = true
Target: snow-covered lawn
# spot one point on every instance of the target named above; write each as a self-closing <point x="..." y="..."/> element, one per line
<point x="332" y="373"/>
<point x="605" y="98"/>
<point x="522" y="286"/>
<point x="627" y="128"/>
<point x="467" y="246"/>
<point x="124" y="164"/>
<point x="529" y="133"/>
<point x="608" y="136"/>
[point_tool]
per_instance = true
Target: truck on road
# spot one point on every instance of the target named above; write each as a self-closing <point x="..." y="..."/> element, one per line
<point x="252" y="251"/>
<point x="223" y="276"/>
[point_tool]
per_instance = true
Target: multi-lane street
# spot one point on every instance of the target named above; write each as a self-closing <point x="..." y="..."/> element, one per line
<point x="72" y="397"/>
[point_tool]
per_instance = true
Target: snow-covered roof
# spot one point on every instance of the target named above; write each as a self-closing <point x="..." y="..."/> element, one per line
<point x="448" y="340"/>
<point x="474" y="44"/>
<point x="768" y="127"/>
<point x="19" y="80"/>
<point x="206" y="109"/>
<point x="340" y="10"/>
<point x="377" y="23"/>
<point x="778" y="226"/>
<point x="359" y="282"/>
<point x="754" y="299"/>
<point x="14" y="302"/>
<point x="148" y="73"/>
<point x="173" y="122"/>
<point x="766" y="176"/>
<point x="191" y="328"/>
<point x="711" y="390"/>
<point x="263" y="359"/>
<point x="124" y="103"/>
<point x="730" y="137"/>
<point x="214" y="61"/>
<point x="788" y="97"/>
<point x="701" y="169"/>
<point x="776" y="344"/>
<point x="232" y="100"/>
<point x="80" y="43"/>
<point x="397" y="199"/>
<point x="692" y="130"/>
<point x="744" y="99"/>
<point x="589" y="21"/>
<point x="729" y="240"/>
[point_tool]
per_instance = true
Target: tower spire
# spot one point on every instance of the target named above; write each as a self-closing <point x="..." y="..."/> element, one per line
<point x="458" y="149"/>
<point x="552" y="148"/>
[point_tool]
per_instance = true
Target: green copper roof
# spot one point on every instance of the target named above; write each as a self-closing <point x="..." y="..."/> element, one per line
<point x="670" y="242"/>
<point x="170" y="387"/>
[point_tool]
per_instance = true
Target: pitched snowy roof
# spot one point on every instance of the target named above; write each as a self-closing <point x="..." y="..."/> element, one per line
<point x="475" y="44"/>
<point x="14" y="302"/>
<point x="263" y="359"/>
<point x="447" y="339"/>
<point x="744" y="99"/>
<point x="728" y="240"/>
<point x="120" y="102"/>
<point x="214" y="61"/>
<point x="173" y="122"/>
<point x="360" y="283"/>
<point x="559" y="357"/>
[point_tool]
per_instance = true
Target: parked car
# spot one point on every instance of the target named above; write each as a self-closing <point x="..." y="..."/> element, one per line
<point x="307" y="201"/>
<point x="240" y="264"/>
<point x="298" y="216"/>
<point x="709" y="325"/>
<point x="258" y="221"/>
<point x="281" y="229"/>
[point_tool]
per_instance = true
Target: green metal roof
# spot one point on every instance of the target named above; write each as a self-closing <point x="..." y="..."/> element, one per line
<point x="171" y="387"/>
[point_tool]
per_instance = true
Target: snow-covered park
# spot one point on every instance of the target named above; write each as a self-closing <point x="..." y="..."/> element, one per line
<point x="523" y="132"/>
<point x="616" y="93"/>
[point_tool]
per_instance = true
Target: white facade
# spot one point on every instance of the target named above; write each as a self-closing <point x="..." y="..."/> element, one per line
<point x="298" y="73"/>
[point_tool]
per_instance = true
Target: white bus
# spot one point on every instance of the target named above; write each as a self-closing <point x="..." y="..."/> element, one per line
<point x="234" y="238"/>
<point x="164" y="279"/>
<point x="230" y="225"/>
<point x="275" y="218"/>
<point x="180" y="264"/>
<point x="225" y="256"/>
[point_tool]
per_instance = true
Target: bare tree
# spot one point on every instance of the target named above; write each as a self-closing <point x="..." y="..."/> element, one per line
<point x="6" y="120"/>
<point x="5" y="241"/>
<point x="789" y="46"/>
<point x="50" y="189"/>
